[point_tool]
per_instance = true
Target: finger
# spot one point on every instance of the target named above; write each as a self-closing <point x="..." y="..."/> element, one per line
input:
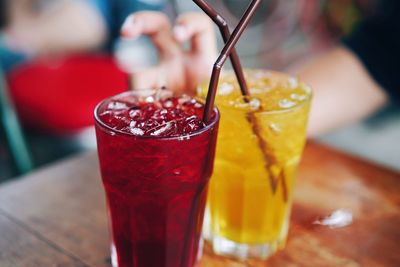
<point x="170" y="75"/>
<point x="131" y="28"/>
<point x="149" y="78"/>
<point x="155" y="25"/>
<point x="199" y="29"/>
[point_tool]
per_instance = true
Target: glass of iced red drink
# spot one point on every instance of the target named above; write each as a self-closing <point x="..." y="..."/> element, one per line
<point x="156" y="158"/>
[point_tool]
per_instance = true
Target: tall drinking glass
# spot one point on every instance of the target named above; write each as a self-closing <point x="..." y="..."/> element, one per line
<point x="156" y="160"/>
<point x="260" y="143"/>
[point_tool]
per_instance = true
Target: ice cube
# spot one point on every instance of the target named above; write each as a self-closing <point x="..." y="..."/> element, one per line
<point x="132" y="124"/>
<point x="137" y="131"/>
<point x="149" y="99"/>
<point x="190" y="122"/>
<point x="134" y="113"/>
<point x="191" y="118"/>
<point x="262" y="74"/>
<point x="307" y="88"/>
<point x="192" y="125"/>
<point x="298" y="97"/>
<point x="184" y="137"/>
<point x="168" y="104"/>
<point x="293" y="83"/>
<point x="225" y="89"/>
<point x="115" y="105"/>
<point x="285" y="103"/>
<point x="183" y="99"/>
<point x="255" y="104"/>
<point x="163" y="129"/>
<point x="256" y="90"/>
<point x="105" y="113"/>
<point x="275" y="128"/>
<point x="238" y="104"/>
<point x="259" y="75"/>
<point x="158" y="93"/>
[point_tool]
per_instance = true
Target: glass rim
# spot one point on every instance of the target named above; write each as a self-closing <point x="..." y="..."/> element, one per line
<point x="307" y="88"/>
<point x="272" y="112"/>
<point x="103" y="125"/>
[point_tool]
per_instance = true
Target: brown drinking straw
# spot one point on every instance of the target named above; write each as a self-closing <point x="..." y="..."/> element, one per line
<point x="226" y="51"/>
<point x="226" y="34"/>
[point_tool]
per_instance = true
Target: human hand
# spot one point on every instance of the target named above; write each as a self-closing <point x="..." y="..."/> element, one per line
<point x="179" y="69"/>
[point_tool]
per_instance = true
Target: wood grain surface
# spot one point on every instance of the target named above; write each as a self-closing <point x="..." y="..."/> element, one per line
<point x="56" y="216"/>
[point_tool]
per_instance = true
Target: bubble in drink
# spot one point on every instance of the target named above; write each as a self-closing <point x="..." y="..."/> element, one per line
<point x="168" y="104"/>
<point x="149" y="99"/>
<point x="298" y="97"/>
<point x="164" y="128"/>
<point x="256" y="90"/>
<point x="255" y="104"/>
<point x="134" y="113"/>
<point x="225" y="89"/>
<point x="293" y="82"/>
<point x="285" y="103"/>
<point x="137" y="131"/>
<point x="275" y="128"/>
<point x="116" y="105"/>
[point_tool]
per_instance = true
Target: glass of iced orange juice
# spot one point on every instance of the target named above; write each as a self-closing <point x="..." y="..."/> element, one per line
<point x="260" y="143"/>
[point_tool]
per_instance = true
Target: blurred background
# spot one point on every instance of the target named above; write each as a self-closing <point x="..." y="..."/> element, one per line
<point x="58" y="58"/>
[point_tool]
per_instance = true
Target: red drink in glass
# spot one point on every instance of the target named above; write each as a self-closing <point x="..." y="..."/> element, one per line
<point x="156" y="158"/>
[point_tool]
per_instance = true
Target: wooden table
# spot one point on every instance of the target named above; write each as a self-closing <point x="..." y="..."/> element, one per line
<point x="56" y="216"/>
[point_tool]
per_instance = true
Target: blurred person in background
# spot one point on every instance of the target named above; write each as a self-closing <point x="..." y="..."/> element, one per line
<point x="283" y="32"/>
<point x="187" y="68"/>
<point x="35" y="28"/>
<point x="351" y="81"/>
<point x="356" y="79"/>
<point x="63" y="49"/>
<point x="42" y="28"/>
<point x="357" y="74"/>
<point x="180" y="67"/>
<point x="57" y="56"/>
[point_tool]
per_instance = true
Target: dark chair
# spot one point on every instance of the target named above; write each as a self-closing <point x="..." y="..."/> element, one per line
<point x="12" y="132"/>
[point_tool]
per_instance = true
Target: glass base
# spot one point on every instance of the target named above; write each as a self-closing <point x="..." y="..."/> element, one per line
<point x="228" y="248"/>
<point x="114" y="259"/>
